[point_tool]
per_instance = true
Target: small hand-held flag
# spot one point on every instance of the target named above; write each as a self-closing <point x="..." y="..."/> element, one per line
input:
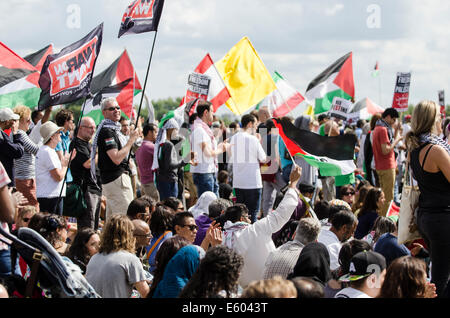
<point x="141" y="16"/>
<point x="376" y="70"/>
<point x="66" y="76"/>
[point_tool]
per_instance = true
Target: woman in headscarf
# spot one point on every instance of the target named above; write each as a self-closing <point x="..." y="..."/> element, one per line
<point x="201" y="207"/>
<point x="167" y="160"/>
<point x="178" y="271"/>
<point x="313" y="262"/>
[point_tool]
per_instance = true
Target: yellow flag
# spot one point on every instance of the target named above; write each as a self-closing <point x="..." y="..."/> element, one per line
<point x="309" y="111"/>
<point x="245" y="76"/>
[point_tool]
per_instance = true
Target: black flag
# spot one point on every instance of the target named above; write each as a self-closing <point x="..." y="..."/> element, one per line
<point x="141" y="16"/>
<point x="66" y="76"/>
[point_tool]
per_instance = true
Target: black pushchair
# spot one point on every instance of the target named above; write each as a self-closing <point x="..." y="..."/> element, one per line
<point x="55" y="274"/>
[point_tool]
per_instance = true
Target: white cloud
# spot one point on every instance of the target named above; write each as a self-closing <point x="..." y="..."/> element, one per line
<point x="297" y="38"/>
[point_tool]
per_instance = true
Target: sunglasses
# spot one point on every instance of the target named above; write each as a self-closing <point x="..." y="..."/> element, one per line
<point x="349" y="193"/>
<point x="191" y="227"/>
<point x="113" y="108"/>
<point x="26" y="219"/>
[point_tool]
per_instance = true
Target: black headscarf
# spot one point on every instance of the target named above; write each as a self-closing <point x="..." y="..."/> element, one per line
<point x="313" y="262"/>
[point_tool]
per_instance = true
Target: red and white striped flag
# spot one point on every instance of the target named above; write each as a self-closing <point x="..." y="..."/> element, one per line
<point x="218" y="93"/>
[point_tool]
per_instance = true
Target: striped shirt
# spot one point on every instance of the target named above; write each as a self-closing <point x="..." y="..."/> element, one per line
<point x="24" y="167"/>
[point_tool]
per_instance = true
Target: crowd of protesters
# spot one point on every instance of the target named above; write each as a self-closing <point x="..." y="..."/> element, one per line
<point x="200" y="210"/>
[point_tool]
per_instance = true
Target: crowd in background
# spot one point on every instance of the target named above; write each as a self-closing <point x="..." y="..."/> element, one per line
<point x="199" y="209"/>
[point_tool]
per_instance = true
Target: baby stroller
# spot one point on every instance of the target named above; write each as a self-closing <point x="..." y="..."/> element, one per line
<point x="55" y="274"/>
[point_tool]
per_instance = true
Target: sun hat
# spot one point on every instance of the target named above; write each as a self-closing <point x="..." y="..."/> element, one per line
<point x="7" y="114"/>
<point x="48" y="129"/>
<point x="364" y="264"/>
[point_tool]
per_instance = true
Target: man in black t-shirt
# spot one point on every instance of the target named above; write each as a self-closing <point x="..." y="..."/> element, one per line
<point x="113" y="160"/>
<point x="80" y="167"/>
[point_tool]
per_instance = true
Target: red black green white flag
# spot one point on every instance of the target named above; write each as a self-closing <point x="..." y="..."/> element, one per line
<point x="333" y="156"/>
<point x="141" y="16"/>
<point x="18" y="80"/>
<point x="66" y="76"/>
<point x="335" y="81"/>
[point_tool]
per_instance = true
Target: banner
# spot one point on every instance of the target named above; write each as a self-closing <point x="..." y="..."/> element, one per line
<point x="340" y="108"/>
<point x="197" y="87"/>
<point x="442" y="101"/>
<point x="141" y="16"/>
<point x="401" y="92"/>
<point x="66" y="76"/>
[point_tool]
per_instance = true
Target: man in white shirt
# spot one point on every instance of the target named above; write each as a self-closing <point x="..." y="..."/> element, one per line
<point x="343" y="226"/>
<point x="205" y="145"/>
<point x="246" y="155"/>
<point x="366" y="275"/>
<point x="254" y="241"/>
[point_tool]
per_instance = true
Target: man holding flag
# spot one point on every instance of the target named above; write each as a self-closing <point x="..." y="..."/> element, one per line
<point x="112" y="159"/>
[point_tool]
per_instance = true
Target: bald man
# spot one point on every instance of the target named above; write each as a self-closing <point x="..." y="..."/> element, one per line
<point x="143" y="236"/>
<point x="80" y="167"/>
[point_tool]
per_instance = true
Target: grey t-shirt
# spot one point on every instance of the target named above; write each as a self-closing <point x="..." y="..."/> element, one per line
<point x="113" y="275"/>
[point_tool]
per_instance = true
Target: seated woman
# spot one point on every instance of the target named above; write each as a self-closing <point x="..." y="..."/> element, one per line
<point x="369" y="212"/>
<point x="115" y="270"/>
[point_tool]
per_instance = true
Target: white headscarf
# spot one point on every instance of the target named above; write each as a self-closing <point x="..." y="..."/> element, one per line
<point x="202" y="205"/>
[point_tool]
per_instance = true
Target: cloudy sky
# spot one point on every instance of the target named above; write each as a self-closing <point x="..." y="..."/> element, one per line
<point x="297" y="38"/>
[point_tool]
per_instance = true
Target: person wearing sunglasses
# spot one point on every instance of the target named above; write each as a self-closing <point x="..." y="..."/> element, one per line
<point x="185" y="226"/>
<point x="113" y="159"/>
<point x="347" y="194"/>
<point x="23" y="216"/>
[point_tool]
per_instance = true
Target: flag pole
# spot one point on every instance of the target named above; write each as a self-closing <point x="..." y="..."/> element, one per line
<point x="143" y="88"/>
<point x="70" y="156"/>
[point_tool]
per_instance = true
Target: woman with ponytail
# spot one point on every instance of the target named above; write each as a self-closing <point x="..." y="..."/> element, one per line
<point x="429" y="158"/>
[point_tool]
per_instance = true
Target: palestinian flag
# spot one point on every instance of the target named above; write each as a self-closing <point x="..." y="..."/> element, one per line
<point x="18" y="80"/>
<point x="283" y="99"/>
<point x="92" y="107"/>
<point x="335" y="81"/>
<point x="394" y="210"/>
<point x="120" y="71"/>
<point x="376" y="70"/>
<point x="37" y="59"/>
<point x="333" y="156"/>
<point x="366" y="108"/>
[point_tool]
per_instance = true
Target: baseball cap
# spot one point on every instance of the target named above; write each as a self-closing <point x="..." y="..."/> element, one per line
<point x="364" y="264"/>
<point x="8" y="114"/>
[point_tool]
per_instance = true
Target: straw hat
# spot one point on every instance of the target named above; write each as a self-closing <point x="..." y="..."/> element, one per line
<point x="48" y="129"/>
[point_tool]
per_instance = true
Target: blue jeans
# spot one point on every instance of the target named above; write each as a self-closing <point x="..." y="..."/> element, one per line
<point x="205" y="182"/>
<point x="5" y="263"/>
<point x="167" y="189"/>
<point x="252" y="199"/>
